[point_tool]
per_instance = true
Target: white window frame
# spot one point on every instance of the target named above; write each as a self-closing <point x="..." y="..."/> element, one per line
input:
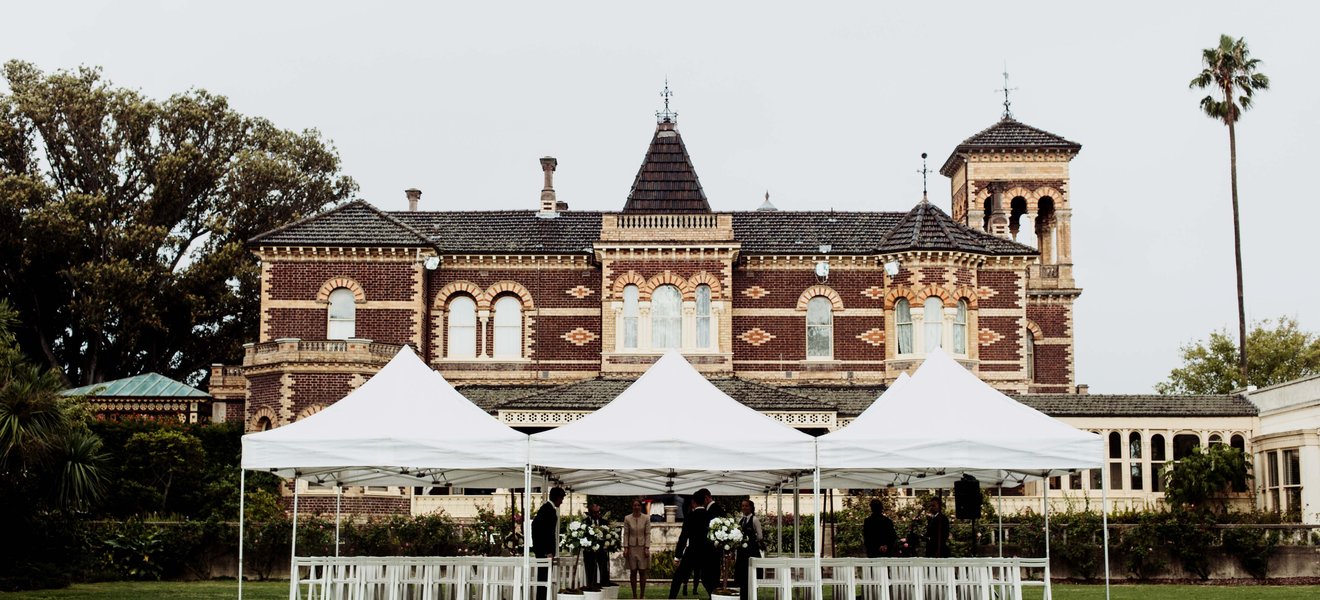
<point x="631" y="318"/>
<point x="932" y="321"/>
<point x="341" y="315"/>
<point x="508" y="338"/>
<point x="960" y="328"/>
<point x="704" y="333"/>
<point x="459" y="331"/>
<point x="903" y="309"/>
<point x="667" y="326"/>
<point x="824" y="312"/>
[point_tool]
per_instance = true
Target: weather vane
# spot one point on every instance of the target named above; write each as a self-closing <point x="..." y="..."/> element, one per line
<point x="1008" y="113"/>
<point x="923" y="172"/>
<point x="666" y="115"/>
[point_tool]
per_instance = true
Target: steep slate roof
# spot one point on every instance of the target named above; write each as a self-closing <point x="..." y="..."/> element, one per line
<point x="356" y="223"/>
<point x="1009" y="134"/>
<point x="505" y="231"/>
<point x="592" y="394"/>
<point x="802" y="232"/>
<point x="666" y="181"/>
<point x="1148" y="405"/>
<point x="146" y="385"/>
<point x="926" y="227"/>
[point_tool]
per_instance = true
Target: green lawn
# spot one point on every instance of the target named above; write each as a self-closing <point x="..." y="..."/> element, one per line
<point x="271" y="590"/>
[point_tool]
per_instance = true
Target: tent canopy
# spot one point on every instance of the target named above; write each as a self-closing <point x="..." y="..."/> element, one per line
<point x="404" y="426"/>
<point x="672" y="430"/>
<point x="944" y="422"/>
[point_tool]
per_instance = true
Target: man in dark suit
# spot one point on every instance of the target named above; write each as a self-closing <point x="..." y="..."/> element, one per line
<point x="878" y="534"/>
<point x="597" y="562"/>
<point x="545" y="534"/>
<point x="713" y="561"/>
<point x="690" y="553"/>
<point x="937" y="530"/>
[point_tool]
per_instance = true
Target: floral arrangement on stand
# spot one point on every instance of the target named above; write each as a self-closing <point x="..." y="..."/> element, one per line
<point x="726" y="536"/>
<point x="577" y="537"/>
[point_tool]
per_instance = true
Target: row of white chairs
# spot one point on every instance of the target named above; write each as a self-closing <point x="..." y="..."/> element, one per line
<point x="417" y="578"/>
<point x="900" y="578"/>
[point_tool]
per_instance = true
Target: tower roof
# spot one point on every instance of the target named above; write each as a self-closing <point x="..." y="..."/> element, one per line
<point x="1009" y="134"/>
<point x="926" y="227"/>
<point x="666" y="181"/>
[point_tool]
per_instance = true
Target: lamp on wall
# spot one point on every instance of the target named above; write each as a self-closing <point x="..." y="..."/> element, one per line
<point x="891" y="268"/>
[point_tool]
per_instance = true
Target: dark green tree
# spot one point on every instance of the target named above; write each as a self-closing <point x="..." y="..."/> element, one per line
<point x="1279" y="351"/>
<point x="1204" y="476"/>
<point x="123" y="219"/>
<point x="1230" y="74"/>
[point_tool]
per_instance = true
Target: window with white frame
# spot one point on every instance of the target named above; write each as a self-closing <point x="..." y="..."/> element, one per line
<point x="703" y="316"/>
<point x="1029" y="349"/>
<point x="960" y="328"/>
<point x="903" y="325"/>
<point x="1158" y="454"/>
<point x="666" y="317"/>
<point x="630" y="315"/>
<point x="820" y="329"/>
<point x="1291" y="463"/>
<point x="508" y="327"/>
<point x="342" y="315"/>
<point x="934" y="323"/>
<point x="462" y="327"/>
<point x="1134" y="464"/>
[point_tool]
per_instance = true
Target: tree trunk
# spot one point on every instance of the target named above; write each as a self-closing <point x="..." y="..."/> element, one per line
<point x="1237" y="256"/>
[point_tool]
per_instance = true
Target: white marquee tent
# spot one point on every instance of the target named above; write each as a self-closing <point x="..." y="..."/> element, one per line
<point x="672" y="425"/>
<point x="945" y="422"/>
<point x="404" y="426"/>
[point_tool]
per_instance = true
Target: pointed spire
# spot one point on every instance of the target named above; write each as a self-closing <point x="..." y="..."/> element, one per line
<point x="666" y="181"/>
<point x="766" y="206"/>
<point x="924" y="172"/>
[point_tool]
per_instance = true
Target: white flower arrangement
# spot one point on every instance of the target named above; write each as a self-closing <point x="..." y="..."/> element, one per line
<point x="613" y="539"/>
<point x="726" y="533"/>
<point x="578" y="536"/>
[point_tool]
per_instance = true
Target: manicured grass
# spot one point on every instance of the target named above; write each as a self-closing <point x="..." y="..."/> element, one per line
<point x="274" y="590"/>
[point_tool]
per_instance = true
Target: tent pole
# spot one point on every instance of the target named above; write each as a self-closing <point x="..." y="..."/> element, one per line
<point x="779" y="539"/>
<point x="242" y="491"/>
<point x="1104" y="522"/>
<point x="1000" y="512"/>
<point x="797" y="515"/>
<point x="339" y="492"/>
<point x="819" y="533"/>
<point x="293" y="547"/>
<point x="527" y="524"/>
<point x="1045" y="499"/>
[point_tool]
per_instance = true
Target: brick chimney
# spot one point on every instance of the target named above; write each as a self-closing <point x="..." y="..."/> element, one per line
<point x="549" y="205"/>
<point x="414" y="195"/>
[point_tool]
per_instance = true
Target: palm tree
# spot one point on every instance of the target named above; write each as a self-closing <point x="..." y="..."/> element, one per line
<point x="1229" y="69"/>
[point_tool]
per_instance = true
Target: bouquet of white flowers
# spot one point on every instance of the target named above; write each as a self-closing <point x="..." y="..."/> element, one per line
<point x="726" y="534"/>
<point x="612" y="539"/>
<point x="577" y="536"/>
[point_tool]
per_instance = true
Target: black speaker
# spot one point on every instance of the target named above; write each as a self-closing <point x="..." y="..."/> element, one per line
<point x="967" y="498"/>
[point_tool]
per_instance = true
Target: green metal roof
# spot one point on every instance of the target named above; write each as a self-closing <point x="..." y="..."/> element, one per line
<point x="147" y="385"/>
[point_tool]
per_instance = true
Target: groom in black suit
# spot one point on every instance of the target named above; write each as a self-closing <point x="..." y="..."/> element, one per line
<point x="545" y="534"/>
<point x="712" y="557"/>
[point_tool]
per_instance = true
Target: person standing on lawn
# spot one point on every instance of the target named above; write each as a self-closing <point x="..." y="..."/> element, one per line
<point x="637" y="547"/>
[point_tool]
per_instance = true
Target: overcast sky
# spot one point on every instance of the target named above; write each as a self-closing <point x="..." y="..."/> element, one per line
<point x="826" y="105"/>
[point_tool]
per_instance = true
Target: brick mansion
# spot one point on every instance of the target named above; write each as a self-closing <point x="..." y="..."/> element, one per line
<point x="542" y="315"/>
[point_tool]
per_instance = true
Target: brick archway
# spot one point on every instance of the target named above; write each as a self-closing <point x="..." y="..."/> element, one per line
<point x="820" y="290"/>
<point x="946" y="299"/>
<point x="334" y="283"/>
<point x="466" y="287"/>
<point x="669" y="278"/>
<point x="510" y="287"/>
<point x="705" y="278"/>
<point x="631" y="278"/>
<point x="258" y="415"/>
<point x="894" y="294"/>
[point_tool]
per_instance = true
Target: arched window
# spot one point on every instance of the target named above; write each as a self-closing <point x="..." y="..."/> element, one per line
<point x="666" y="317"/>
<point x="630" y="317"/>
<point x="1029" y="349"/>
<point x="1134" y="466"/>
<point x="703" y="316"/>
<point x="1216" y="439"/>
<point x="960" y="328"/>
<point x="343" y="315"/>
<point x="508" y="327"/>
<point x="1158" y="454"/>
<point x="462" y="327"/>
<point x="1237" y="442"/>
<point x="820" y="328"/>
<point x="903" y="325"/>
<point x="1115" y="445"/>
<point x="934" y="323"/>
<point x="263" y="424"/>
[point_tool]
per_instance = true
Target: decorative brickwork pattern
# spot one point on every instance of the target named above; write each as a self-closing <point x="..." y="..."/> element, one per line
<point x="756" y="336"/>
<point x="579" y="337"/>
<point x="579" y="291"/>
<point x="340" y="282"/>
<point x="873" y="336"/>
<point x="755" y="292"/>
<point x="874" y="292"/>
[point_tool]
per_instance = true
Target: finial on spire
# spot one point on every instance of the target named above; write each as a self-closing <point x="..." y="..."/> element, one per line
<point x="924" y="171"/>
<point x="1008" y="112"/>
<point x="666" y="115"/>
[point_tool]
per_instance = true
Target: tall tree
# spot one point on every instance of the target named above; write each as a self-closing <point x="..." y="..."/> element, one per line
<point x="1279" y="351"/>
<point x="1229" y="70"/>
<point x="123" y="219"/>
